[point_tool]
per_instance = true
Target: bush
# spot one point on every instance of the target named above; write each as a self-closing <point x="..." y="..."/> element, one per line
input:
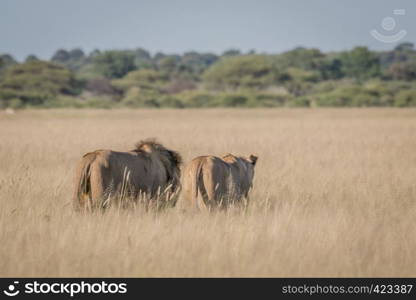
<point x="232" y="100"/>
<point x="197" y="99"/>
<point x="402" y="71"/>
<point x="114" y="64"/>
<point x="405" y="98"/>
<point x="15" y="103"/>
<point x="171" y="101"/>
<point x="35" y="82"/>
<point x="143" y="79"/>
<point x="136" y="97"/>
<point x="64" y="101"/>
<point x="300" y="102"/>
<point x="268" y="100"/>
<point x="295" y="78"/>
<point x="337" y="97"/>
<point x="100" y="86"/>
<point x="249" y="71"/>
<point x="99" y="102"/>
<point x="360" y="63"/>
<point x="364" y="99"/>
<point x="372" y="93"/>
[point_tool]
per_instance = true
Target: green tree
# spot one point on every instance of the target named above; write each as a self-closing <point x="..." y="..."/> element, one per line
<point x="299" y="81"/>
<point x="331" y="68"/>
<point x="302" y="58"/>
<point x="61" y="56"/>
<point x="168" y="64"/>
<point x="6" y="60"/>
<point x="193" y="64"/>
<point x="76" y="54"/>
<point x="403" y="52"/>
<point x="405" y="98"/>
<point x="142" y="58"/>
<point x="231" y="52"/>
<point x="35" y="82"/>
<point x="248" y="71"/>
<point x="31" y="57"/>
<point x="114" y="64"/>
<point x="142" y="79"/>
<point x="74" y="59"/>
<point x="405" y="46"/>
<point x="360" y="63"/>
<point x="402" y="71"/>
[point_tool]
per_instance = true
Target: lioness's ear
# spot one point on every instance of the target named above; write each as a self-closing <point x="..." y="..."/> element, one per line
<point x="253" y="159"/>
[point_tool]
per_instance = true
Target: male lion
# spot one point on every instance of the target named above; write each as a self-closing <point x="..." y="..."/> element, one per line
<point x="212" y="182"/>
<point x="149" y="170"/>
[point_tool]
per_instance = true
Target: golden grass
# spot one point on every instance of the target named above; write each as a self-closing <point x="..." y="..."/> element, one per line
<point x="334" y="195"/>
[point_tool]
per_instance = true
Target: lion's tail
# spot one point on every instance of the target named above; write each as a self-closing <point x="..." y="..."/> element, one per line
<point x="82" y="196"/>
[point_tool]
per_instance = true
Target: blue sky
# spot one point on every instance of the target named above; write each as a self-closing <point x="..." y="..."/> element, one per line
<point x="41" y="27"/>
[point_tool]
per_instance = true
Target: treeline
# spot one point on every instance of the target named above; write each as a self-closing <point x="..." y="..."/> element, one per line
<point x="136" y="78"/>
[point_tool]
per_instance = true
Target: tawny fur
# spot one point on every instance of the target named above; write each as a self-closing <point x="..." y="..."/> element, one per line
<point x="149" y="170"/>
<point x="210" y="182"/>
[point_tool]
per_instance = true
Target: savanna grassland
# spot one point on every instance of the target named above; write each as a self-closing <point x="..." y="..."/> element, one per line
<point x="334" y="195"/>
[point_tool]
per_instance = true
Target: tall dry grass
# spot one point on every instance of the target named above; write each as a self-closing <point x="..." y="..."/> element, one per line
<point x="334" y="195"/>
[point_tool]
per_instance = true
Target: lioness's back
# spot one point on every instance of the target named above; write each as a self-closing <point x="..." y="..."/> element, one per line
<point x="204" y="180"/>
<point x="210" y="181"/>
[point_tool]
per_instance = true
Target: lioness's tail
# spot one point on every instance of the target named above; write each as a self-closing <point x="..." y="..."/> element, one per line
<point x="193" y="185"/>
<point x="82" y="196"/>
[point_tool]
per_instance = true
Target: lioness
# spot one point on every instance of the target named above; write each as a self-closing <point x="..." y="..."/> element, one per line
<point x="212" y="182"/>
<point x="150" y="170"/>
